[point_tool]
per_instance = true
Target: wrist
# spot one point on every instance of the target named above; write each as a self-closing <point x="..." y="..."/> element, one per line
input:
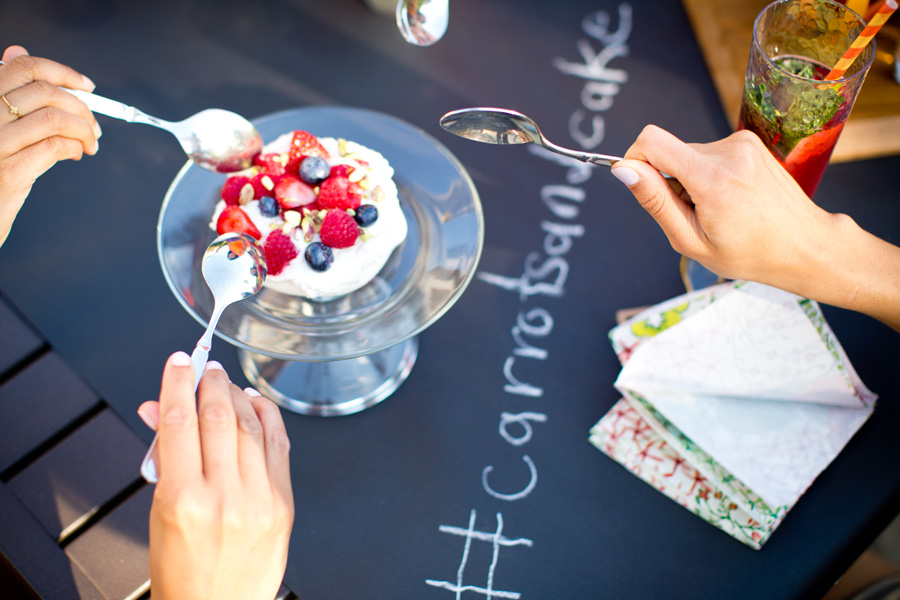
<point x="850" y="268"/>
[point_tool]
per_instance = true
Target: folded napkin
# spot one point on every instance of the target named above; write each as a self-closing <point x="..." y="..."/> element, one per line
<point x="734" y="399"/>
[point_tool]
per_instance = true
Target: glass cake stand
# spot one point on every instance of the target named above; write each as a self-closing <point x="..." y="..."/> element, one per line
<point x="347" y="354"/>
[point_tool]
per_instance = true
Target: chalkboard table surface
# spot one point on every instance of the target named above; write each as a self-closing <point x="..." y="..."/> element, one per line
<point x="476" y="478"/>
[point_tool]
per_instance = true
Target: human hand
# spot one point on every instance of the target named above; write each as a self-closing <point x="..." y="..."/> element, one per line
<point x="222" y="511"/>
<point x="51" y="125"/>
<point x="742" y="215"/>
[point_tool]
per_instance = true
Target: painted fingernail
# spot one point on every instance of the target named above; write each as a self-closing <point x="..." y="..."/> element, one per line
<point x="214" y="365"/>
<point x="627" y="176"/>
<point x="252" y="392"/>
<point x="147" y="419"/>
<point x="180" y="359"/>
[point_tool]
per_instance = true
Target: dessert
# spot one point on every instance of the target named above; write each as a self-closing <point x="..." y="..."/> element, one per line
<point x="325" y="210"/>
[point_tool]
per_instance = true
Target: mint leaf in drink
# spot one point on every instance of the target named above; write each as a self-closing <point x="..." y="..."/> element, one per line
<point x="783" y="110"/>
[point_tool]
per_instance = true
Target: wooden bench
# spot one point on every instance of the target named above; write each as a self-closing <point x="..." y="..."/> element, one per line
<point x="73" y="507"/>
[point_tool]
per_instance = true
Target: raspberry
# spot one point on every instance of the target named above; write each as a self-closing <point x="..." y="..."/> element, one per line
<point x="305" y="144"/>
<point x="338" y="230"/>
<point x="263" y="184"/>
<point x="342" y="170"/>
<point x="279" y="251"/>
<point x="339" y="192"/>
<point x="231" y="191"/>
<point x="269" y="163"/>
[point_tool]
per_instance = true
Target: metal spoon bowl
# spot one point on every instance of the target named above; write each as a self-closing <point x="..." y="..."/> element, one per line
<point x="234" y="268"/>
<point x="422" y="22"/>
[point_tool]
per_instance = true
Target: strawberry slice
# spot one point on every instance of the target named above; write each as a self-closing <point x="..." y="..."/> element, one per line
<point x="292" y="193"/>
<point x="305" y="144"/>
<point x="234" y="219"/>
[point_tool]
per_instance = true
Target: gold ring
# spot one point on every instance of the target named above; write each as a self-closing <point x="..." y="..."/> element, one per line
<point x="13" y="110"/>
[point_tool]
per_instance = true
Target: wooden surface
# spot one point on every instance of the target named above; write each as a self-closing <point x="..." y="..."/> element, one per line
<point x="724" y="32"/>
<point x="73" y="508"/>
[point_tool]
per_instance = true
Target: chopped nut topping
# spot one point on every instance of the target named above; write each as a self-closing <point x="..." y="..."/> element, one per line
<point x="247" y="193"/>
<point x="357" y="174"/>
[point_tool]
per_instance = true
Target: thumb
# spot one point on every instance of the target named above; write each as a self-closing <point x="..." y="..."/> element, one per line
<point x="12" y="52"/>
<point x="672" y="211"/>
<point x="149" y="414"/>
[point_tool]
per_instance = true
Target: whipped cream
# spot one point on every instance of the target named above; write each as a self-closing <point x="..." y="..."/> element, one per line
<point x="357" y="265"/>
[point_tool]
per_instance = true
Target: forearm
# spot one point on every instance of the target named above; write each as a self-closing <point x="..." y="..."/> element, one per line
<point x="854" y="269"/>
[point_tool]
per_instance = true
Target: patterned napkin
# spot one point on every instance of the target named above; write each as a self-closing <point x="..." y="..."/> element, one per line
<point x="734" y="399"/>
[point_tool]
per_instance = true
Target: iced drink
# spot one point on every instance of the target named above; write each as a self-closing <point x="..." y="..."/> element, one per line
<point x="787" y="102"/>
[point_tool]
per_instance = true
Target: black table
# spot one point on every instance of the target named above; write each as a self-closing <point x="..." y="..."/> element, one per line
<point x="385" y="498"/>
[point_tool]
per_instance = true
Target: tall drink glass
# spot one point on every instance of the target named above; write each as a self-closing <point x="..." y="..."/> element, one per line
<point x="787" y="103"/>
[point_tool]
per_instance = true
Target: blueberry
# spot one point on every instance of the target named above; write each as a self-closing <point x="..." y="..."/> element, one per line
<point x="268" y="206"/>
<point x="314" y="170"/>
<point x="366" y="214"/>
<point x="319" y="256"/>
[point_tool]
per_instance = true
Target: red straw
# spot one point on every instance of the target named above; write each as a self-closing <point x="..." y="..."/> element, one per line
<point x="859" y="44"/>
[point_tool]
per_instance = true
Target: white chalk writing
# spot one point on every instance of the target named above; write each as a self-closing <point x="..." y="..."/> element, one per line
<point x="496" y="540"/>
<point x="544" y="276"/>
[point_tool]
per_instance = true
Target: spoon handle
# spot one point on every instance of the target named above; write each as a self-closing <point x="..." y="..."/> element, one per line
<point x="198" y="361"/>
<point x="105" y="106"/>
<point x="588" y="157"/>
<point x="116" y="110"/>
<point x="148" y="466"/>
<point x="595" y="159"/>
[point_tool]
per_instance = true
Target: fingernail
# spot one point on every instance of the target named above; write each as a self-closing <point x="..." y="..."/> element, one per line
<point x="213" y="365"/>
<point x="252" y="392"/>
<point x="88" y="82"/>
<point x="627" y="176"/>
<point x="147" y="419"/>
<point x="180" y="359"/>
<point x="97" y="131"/>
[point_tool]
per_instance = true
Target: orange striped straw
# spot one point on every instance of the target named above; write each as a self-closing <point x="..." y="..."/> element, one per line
<point x="881" y="16"/>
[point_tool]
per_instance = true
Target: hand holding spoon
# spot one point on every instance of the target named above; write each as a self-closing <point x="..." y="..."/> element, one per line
<point x="215" y="139"/>
<point x="504" y="126"/>
<point x="234" y="268"/>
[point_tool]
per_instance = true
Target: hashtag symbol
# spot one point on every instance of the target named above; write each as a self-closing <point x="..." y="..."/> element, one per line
<point x="496" y="539"/>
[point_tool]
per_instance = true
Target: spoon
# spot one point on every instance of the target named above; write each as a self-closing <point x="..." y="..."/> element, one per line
<point x="504" y="126"/>
<point x="422" y="22"/>
<point x="215" y="139"/>
<point x="234" y="268"/>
